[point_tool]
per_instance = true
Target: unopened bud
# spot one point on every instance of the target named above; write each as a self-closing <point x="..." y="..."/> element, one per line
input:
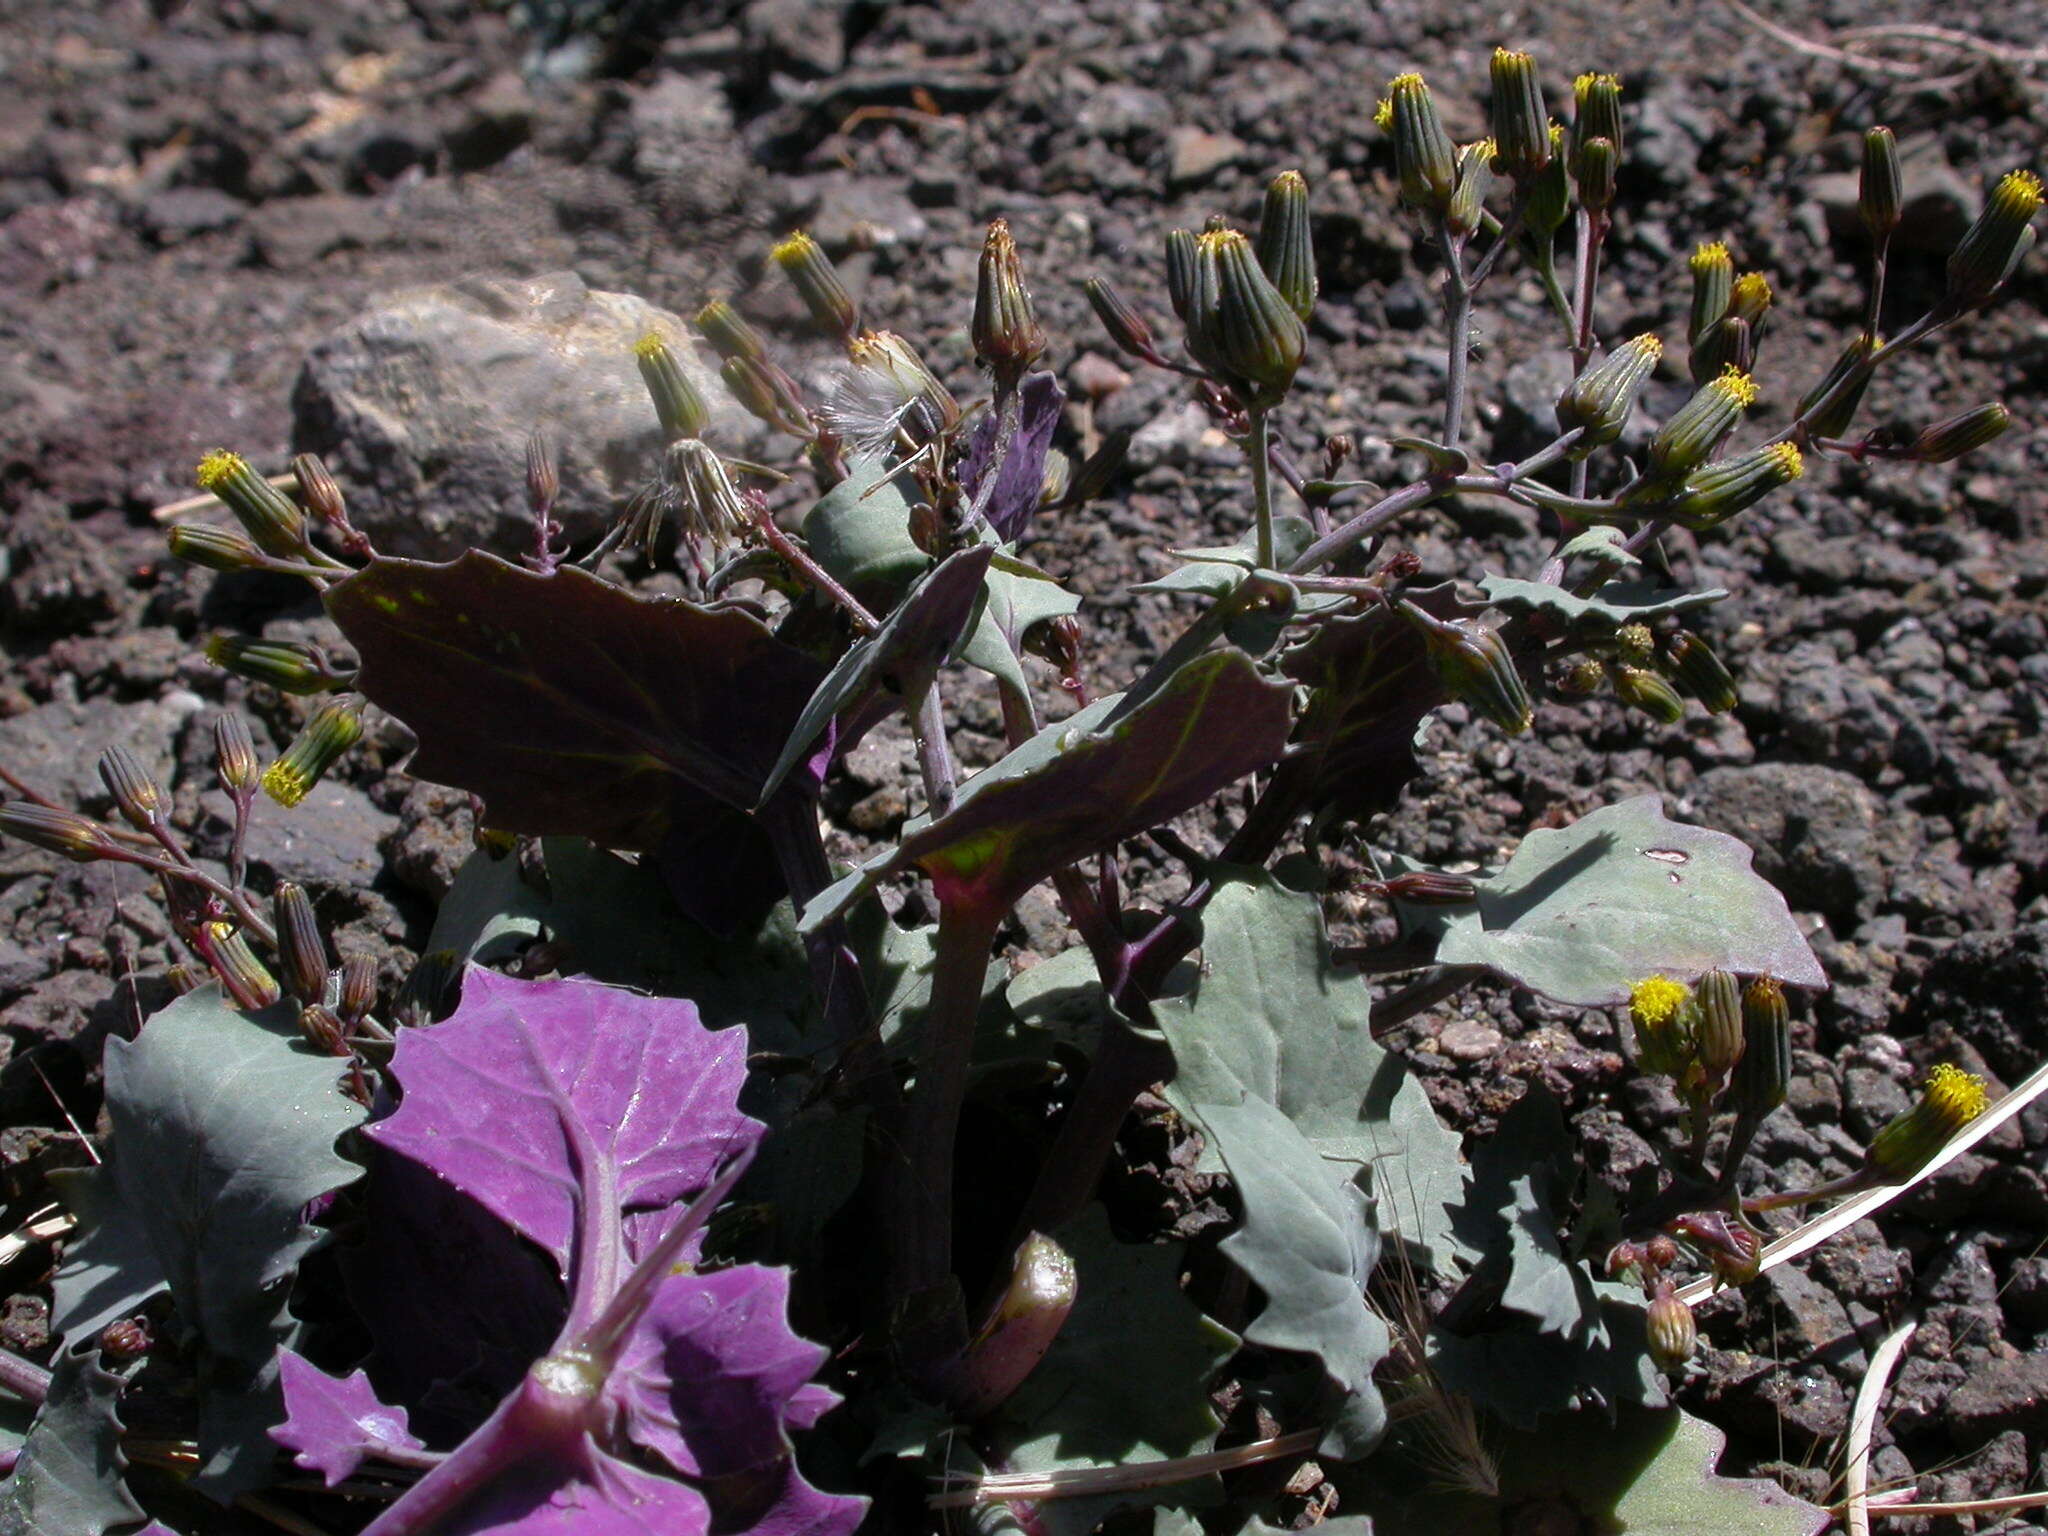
<point x="810" y="271"/>
<point x="182" y="978"/>
<point x="127" y="1339"/>
<point x="765" y="392"/>
<point x="358" y="993"/>
<point x="1660" y="1011"/>
<point x="1697" y="671"/>
<point x="283" y="664"/>
<point x="1622" y="1258"/>
<point x="676" y="401"/>
<point x="1424" y="160"/>
<point x="1597" y="99"/>
<point x="1599" y="400"/>
<point x="1475" y="185"/>
<point x="301" y="951"/>
<point x="1994" y="244"/>
<point x="1521" y="127"/>
<point x="78" y="838"/>
<point x="1962" y="434"/>
<point x="1880" y="193"/>
<point x="1951" y="1099"/>
<point x="324" y="1029"/>
<point x="1831" y="405"/>
<point x="1126" y="327"/>
<point x="235" y="755"/>
<point x="1007" y="336"/>
<point x="1660" y="1252"/>
<point x="1718" y="1042"/>
<point x="1596" y="168"/>
<point x="1055" y="478"/>
<point x="1717" y="492"/>
<point x="1764" y="1075"/>
<point x="1476" y="668"/>
<point x="1430" y="888"/>
<point x="1727" y="343"/>
<point x="543" y="479"/>
<point x="1251" y="333"/>
<point x="318" y="491"/>
<point x="1673" y="1334"/>
<point x="265" y="513"/>
<point x="1700" y="426"/>
<point x="1021" y="1327"/>
<point x="246" y="979"/>
<point x="333" y="728"/>
<point x="728" y="332"/>
<point x="1713" y="279"/>
<point x="1181" y="260"/>
<point x="1646" y="690"/>
<point x="1550" y="192"/>
<point x="213" y="549"/>
<point x="136" y="793"/>
<point x="1285" y="250"/>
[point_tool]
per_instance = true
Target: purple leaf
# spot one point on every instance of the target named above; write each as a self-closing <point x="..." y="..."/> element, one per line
<point x="333" y="1422"/>
<point x="572" y="706"/>
<point x="511" y="1095"/>
<point x="712" y="1376"/>
<point x="581" y="1116"/>
<point x="1021" y="475"/>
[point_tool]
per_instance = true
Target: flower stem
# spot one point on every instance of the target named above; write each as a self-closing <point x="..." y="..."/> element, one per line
<point x="1262" y="484"/>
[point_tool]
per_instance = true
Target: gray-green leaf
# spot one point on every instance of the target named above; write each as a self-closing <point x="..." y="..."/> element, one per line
<point x="224" y="1126"/>
<point x="1615" y="604"/>
<point x="1583" y="913"/>
<point x="67" y="1481"/>
<point x="1274" y="1016"/>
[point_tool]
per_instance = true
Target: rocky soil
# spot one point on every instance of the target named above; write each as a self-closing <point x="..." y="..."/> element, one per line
<point x="197" y="201"/>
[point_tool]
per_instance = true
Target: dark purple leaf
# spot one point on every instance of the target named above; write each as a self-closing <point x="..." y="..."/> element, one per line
<point x="458" y="1305"/>
<point x="1082" y="783"/>
<point x="570" y="705"/>
<point x="1021" y="475"/>
<point x="513" y="1095"/>
<point x="712" y="1377"/>
<point x="333" y="1422"/>
<point x="898" y="661"/>
<point x="1373" y="684"/>
<point x="718" y="865"/>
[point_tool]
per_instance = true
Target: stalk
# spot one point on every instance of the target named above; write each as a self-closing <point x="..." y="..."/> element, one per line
<point x="1262" y="484"/>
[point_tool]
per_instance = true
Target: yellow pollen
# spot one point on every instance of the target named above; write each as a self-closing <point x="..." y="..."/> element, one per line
<point x="1955" y="1095"/>
<point x="2022" y="189"/>
<point x="1710" y="254"/>
<point x="286" y="784"/>
<point x="1737" y="385"/>
<point x="1383" y="115"/>
<point x="1752" y="288"/>
<point x="219" y="467"/>
<point x="1583" y="86"/>
<point x="1786" y="461"/>
<point x="1649" y="342"/>
<point x="1408" y="82"/>
<point x="794" y="251"/>
<point x="649" y="347"/>
<point x="1656" y="1000"/>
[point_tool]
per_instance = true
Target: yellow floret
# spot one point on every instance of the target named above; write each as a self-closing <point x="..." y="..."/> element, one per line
<point x="1957" y="1096"/>
<point x="1738" y="385"/>
<point x="218" y="467"/>
<point x="1655" y="1001"/>
<point x="286" y="784"/>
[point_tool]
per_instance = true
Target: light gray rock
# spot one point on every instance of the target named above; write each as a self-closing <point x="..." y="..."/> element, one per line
<point x="421" y="407"/>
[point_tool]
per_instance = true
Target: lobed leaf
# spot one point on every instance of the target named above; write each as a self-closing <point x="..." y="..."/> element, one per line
<point x="1615" y="604"/>
<point x="332" y="1423"/>
<point x="68" y="1480"/>
<point x="536" y="1098"/>
<point x="1583" y="913"/>
<point x="1274" y="1017"/>
<point x="224" y="1126"/>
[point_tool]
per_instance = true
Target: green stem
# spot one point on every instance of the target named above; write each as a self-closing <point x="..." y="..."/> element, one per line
<point x="1262" y="485"/>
